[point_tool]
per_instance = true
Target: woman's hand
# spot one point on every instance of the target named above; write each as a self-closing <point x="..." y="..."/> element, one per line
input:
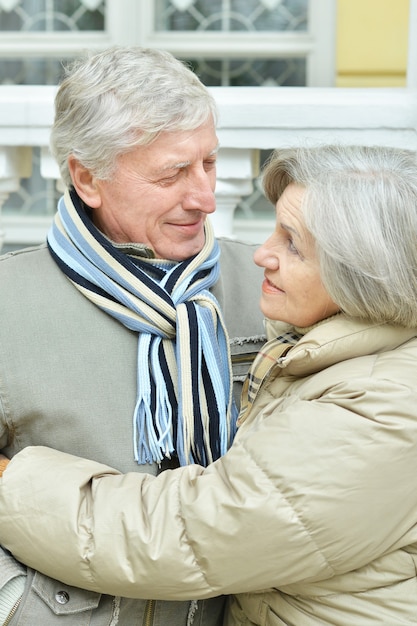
<point x="4" y="461"/>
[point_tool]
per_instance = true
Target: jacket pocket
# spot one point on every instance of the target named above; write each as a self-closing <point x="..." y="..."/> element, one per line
<point x="45" y="601"/>
<point x="63" y="599"/>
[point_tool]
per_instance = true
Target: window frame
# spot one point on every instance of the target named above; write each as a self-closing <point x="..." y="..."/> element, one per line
<point x="129" y="22"/>
<point x="317" y="44"/>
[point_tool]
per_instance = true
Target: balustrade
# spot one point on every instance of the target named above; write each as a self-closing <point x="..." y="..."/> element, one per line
<point x="251" y="119"/>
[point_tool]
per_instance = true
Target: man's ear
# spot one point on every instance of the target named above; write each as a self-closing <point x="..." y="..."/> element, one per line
<point x="84" y="183"/>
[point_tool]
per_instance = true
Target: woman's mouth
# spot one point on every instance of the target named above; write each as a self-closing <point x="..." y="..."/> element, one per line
<point x="270" y="287"/>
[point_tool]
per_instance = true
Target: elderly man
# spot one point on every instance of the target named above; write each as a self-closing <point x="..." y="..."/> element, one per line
<point x="116" y="334"/>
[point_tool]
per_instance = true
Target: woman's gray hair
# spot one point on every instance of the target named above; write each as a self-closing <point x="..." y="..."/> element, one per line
<point x="111" y="102"/>
<point x="360" y="205"/>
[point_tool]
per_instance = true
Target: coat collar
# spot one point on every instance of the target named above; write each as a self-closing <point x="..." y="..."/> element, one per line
<point x="340" y="338"/>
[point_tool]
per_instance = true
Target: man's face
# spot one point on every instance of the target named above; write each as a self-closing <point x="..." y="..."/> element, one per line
<point x="160" y="194"/>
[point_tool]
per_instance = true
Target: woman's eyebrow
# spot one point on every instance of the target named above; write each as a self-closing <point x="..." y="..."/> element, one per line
<point x="289" y="229"/>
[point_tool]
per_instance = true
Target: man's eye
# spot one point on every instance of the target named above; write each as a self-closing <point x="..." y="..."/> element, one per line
<point x="210" y="164"/>
<point x="168" y="179"/>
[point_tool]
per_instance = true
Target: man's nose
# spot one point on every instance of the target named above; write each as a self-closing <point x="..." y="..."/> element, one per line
<point x="200" y="194"/>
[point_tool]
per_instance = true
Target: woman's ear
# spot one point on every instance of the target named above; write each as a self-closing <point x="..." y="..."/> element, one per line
<point x="84" y="183"/>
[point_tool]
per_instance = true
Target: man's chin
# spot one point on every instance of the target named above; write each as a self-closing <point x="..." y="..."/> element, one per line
<point x="178" y="252"/>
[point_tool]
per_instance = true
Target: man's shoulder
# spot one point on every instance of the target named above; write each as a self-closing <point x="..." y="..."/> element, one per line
<point x="238" y="288"/>
<point x="27" y="267"/>
<point x="236" y="251"/>
<point x="236" y="245"/>
<point x="24" y="255"/>
<point x="236" y="261"/>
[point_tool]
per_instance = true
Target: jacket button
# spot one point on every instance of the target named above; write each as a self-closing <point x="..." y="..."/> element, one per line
<point x="62" y="597"/>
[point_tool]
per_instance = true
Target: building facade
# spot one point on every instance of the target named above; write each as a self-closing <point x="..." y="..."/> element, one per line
<point x="276" y="68"/>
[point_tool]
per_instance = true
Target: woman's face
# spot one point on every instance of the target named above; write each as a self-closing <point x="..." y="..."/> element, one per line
<point x="292" y="291"/>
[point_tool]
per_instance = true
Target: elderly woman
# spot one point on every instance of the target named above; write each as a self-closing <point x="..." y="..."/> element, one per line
<point x="311" y="516"/>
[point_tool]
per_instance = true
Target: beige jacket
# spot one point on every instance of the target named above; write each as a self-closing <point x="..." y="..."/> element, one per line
<point x="311" y="517"/>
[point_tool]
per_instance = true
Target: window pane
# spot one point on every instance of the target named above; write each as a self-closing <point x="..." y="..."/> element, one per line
<point x="31" y="71"/>
<point x="250" y="72"/>
<point x="52" y="16"/>
<point x="231" y="15"/>
<point x="36" y="196"/>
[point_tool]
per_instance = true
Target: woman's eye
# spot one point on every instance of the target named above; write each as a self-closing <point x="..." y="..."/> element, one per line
<point x="291" y="246"/>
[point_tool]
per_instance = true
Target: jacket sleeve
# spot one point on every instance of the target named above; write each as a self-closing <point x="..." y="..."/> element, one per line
<point x="178" y="536"/>
<point x="309" y="490"/>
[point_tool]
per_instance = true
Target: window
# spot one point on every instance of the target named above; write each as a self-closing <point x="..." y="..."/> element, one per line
<point x="227" y="42"/>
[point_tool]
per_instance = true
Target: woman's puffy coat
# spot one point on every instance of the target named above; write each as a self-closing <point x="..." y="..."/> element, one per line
<point x="310" y="518"/>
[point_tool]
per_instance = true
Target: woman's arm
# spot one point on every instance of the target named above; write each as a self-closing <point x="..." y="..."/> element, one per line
<point x="187" y="533"/>
<point x="292" y="500"/>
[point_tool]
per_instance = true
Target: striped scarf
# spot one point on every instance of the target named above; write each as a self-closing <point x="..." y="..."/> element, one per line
<point x="267" y="357"/>
<point x="184" y="392"/>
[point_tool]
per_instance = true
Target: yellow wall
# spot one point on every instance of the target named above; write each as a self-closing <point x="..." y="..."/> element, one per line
<point x="372" y="41"/>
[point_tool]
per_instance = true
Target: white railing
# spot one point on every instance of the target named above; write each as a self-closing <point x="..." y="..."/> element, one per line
<point x="251" y="119"/>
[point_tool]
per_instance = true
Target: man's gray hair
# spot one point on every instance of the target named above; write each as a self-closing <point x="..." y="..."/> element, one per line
<point x="360" y="205"/>
<point x="111" y="102"/>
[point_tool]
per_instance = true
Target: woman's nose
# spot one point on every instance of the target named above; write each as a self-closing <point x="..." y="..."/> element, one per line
<point x="264" y="256"/>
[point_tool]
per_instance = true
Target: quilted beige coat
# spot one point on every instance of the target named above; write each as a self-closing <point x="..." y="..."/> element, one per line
<point x="310" y="518"/>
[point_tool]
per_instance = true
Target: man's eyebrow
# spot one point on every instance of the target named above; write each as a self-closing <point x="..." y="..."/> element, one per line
<point x="182" y="164"/>
<point x="215" y="150"/>
<point x="175" y="166"/>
